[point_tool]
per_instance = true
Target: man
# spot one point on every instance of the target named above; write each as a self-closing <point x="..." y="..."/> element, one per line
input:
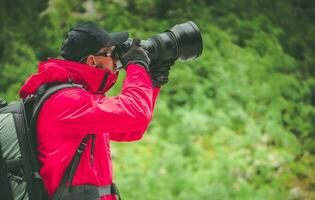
<point x="71" y="114"/>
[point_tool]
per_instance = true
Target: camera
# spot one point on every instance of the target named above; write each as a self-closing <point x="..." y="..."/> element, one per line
<point x="182" y="42"/>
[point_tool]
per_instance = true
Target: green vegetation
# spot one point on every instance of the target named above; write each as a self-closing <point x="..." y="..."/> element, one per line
<point x="238" y="123"/>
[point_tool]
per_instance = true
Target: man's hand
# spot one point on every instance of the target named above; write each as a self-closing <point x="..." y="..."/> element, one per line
<point x="159" y="74"/>
<point x="135" y="54"/>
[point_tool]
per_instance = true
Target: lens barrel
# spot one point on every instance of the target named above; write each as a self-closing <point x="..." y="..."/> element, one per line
<point x="188" y="39"/>
<point x="182" y="42"/>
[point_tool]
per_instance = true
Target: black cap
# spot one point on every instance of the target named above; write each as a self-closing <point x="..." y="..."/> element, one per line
<point x="86" y="39"/>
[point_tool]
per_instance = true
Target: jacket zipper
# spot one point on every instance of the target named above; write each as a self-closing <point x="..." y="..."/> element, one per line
<point x="103" y="83"/>
<point x="92" y="150"/>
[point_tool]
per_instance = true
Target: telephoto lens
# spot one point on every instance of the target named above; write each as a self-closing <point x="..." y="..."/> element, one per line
<point x="182" y="42"/>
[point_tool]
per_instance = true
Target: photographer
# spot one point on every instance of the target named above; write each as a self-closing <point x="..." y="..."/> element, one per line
<point x="72" y="114"/>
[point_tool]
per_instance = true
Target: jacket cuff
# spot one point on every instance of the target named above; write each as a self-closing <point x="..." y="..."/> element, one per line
<point x="140" y="63"/>
<point x="135" y="66"/>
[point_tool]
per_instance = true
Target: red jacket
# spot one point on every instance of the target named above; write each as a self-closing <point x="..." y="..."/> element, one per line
<point x="70" y="114"/>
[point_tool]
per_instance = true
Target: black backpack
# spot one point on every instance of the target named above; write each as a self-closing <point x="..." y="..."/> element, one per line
<point x="19" y="167"/>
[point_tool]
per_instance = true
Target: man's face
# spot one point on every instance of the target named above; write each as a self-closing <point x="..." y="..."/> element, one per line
<point x="103" y="59"/>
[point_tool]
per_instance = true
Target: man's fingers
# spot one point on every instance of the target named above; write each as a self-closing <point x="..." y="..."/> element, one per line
<point x="136" y="42"/>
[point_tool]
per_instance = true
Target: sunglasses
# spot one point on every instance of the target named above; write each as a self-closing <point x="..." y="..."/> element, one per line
<point x="103" y="53"/>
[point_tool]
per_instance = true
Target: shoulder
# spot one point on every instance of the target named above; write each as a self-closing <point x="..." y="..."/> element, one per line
<point x="67" y="100"/>
<point x="68" y="103"/>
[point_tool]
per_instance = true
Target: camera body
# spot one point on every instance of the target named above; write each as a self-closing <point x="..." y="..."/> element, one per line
<point x="182" y="42"/>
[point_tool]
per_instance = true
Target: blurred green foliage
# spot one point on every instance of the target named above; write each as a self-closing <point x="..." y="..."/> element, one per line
<point x="237" y="123"/>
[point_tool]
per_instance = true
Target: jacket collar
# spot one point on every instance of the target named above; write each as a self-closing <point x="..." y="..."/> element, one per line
<point x="95" y="80"/>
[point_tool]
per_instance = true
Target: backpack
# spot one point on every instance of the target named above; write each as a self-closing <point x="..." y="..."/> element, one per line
<point x="19" y="167"/>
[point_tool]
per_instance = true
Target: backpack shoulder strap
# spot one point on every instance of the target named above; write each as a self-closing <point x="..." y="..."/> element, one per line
<point x="48" y="93"/>
<point x="69" y="173"/>
<point x="2" y="103"/>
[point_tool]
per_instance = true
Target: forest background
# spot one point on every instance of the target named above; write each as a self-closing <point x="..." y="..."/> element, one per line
<point x="237" y="123"/>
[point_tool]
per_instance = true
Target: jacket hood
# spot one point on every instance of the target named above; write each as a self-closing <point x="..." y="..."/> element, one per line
<point x="95" y="80"/>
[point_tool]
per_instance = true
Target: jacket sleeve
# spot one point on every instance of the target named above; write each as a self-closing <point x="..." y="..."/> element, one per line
<point x="125" y="117"/>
